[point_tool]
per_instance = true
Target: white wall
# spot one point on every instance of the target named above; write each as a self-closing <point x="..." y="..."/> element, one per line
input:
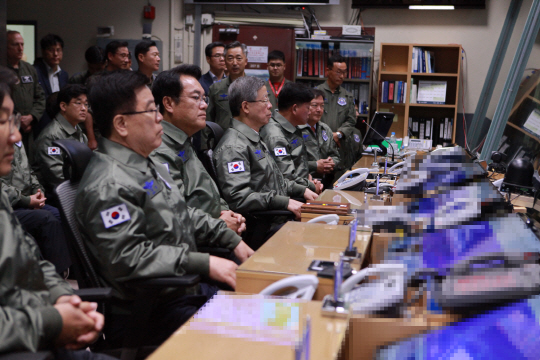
<point x="477" y="30"/>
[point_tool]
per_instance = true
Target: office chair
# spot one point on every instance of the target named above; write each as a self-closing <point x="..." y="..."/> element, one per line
<point x="76" y="158"/>
<point x="293" y="287"/>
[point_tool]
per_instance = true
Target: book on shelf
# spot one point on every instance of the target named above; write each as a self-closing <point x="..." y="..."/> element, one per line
<point x="414" y="93"/>
<point x="423" y="60"/>
<point x="392" y="92"/>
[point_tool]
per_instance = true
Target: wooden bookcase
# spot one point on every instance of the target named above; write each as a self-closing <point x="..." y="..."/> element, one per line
<point x="396" y="64"/>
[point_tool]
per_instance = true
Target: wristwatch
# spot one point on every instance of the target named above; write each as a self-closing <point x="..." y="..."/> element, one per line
<point x="339" y="135"/>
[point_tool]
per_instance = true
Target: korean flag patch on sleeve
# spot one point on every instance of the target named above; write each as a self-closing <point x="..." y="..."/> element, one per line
<point x="280" y="151"/>
<point x="53" y="150"/>
<point x="115" y="215"/>
<point x="236" y="166"/>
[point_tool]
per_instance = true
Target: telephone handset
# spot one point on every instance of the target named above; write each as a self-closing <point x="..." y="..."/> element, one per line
<point x="398" y="168"/>
<point x="353" y="180"/>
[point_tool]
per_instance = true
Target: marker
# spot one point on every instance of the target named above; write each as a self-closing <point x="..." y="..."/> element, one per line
<point x="307" y="338"/>
<point x="352" y="236"/>
<point x="377" y="185"/>
<point x="338" y="277"/>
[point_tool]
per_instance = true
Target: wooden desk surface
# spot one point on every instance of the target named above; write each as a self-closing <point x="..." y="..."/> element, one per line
<point x="290" y="252"/>
<point x="355" y="198"/>
<point x="238" y="327"/>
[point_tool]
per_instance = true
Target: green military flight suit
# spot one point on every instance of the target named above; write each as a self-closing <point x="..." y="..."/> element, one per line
<point x="136" y="223"/>
<point x="286" y="145"/>
<point x="320" y="145"/>
<point x="248" y="176"/>
<point x="271" y="95"/>
<point x="340" y="115"/>
<point x="218" y="109"/>
<point x="28" y="289"/>
<point x="28" y="95"/>
<point x="195" y="183"/>
<point x="47" y="160"/>
<point x="21" y="182"/>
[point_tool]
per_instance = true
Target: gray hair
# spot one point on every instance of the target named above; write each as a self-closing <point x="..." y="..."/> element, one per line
<point x="243" y="89"/>
<point x="235" y="45"/>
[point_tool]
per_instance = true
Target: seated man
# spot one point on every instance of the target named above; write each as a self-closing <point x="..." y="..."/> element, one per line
<point x="133" y="219"/>
<point x="181" y="100"/>
<point x="248" y="176"/>
<point x="42" y="221"/>
<point x="38" y="310"/>
<point x="323" y="153"/>
<point x="47" y="160"/>
<point x="284" y="138"/>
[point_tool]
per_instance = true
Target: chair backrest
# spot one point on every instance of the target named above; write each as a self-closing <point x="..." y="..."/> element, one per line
<point x="330" y="219"/>
<point x="215" y="134"/>
<point x="305" y="286"/>
<point x="76" y="157"/>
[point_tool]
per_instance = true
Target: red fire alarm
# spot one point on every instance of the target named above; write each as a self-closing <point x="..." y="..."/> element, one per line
<point x="149" y="12"/>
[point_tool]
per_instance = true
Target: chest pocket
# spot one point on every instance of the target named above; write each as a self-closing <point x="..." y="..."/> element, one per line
<point x="293" y="144"/>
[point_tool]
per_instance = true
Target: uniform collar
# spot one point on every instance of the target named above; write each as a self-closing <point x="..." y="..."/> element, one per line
<point x="281" y="120"/>
<point x="65" y="124"/>
<point x="174" y="133"/>
<point x="246" y="130"/>
<point x="326" y="87"/>
<point x="123" y="154"/>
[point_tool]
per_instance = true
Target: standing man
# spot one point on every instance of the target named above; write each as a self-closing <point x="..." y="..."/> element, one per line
<point x="95" y="60"/>
<point x="218" y="109"/>
<point x="51" y="77"/>
<point x="118" y="56"/>
<point x="181" y="100"/>
<point x="147" y="56"/>
<point x="276" y="81"/>
<point x="28" y="95"/>
<point x="323" y="153"/>
<point x="339" y="111"/>
<point x="47" y="161"/>
<point x="215" y="57"/>
<point x="284" y="138"/>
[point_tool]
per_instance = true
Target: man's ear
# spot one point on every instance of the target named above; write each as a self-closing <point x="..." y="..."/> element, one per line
<point x="245" y="107"/>
<point x="63" y="106"/>
<point x="168" y="104"/>
<point x="120" y="125"/>
<point x="140" y="57"/>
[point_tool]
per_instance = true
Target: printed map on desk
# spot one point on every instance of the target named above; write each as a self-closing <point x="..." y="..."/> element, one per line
<point x="254" y="318"/>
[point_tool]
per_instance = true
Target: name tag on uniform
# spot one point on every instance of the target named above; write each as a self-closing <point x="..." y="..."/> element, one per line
<point x="115" y="215"/>
<point x="280" y="151"/>
<point x="342" y="101"/>
<point x="53" y="150"/>
<point x="356" y="138"/>
<point x="324" y="135"/>
<point x="236" y="166"/>
<point x="27" y="79"/>
<point x="19" y="143"/>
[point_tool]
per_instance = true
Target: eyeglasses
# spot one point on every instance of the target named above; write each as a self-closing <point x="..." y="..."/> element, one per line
<point x="340" y="72"/>
<point x="198" y="98"/>
<point x="218" y="56"/>
<point x="265" y="100"/>
<point x="316" y="106"/>
<point x="80" y="104"/>
<point x="14" y="122"/>
<point x="156" y="111"/>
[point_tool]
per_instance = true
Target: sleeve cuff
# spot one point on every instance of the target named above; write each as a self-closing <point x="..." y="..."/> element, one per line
<point x="57" y="291"/>
<point x="198" y="263"/>
<point x="280" y="202"/>
<point x="52" y="326"/>
<point x="311" y="186"/>
<point x="312" y="166"/>
<point x="230" y="239"/>
<point x="24" y="201"/>
<point x="298" y="191"/>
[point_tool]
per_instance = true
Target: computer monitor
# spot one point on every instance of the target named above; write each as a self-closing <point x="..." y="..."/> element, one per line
<point x="378" y="129"/>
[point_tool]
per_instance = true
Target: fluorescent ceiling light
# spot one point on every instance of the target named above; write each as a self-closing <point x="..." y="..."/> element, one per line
<point x="431" y="7"/>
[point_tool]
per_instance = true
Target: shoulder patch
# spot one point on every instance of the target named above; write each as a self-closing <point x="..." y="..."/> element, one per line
<point x="236" y="166"/>
<point x="356" y="138"/>
<point x="18" y="143"/>
<point x="342" y="101"/>
<point x="151" y="187"/>
<point x="280" y="151"/>
<point x="324" y="135"/>
<point x="182" y="154"/>
<point x="27" y="79"/>
<point x="53" y="150"/>
<point x="115" y="215"/>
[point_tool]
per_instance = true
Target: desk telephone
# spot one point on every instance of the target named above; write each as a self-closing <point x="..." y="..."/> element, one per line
<point x="353" y="180"/>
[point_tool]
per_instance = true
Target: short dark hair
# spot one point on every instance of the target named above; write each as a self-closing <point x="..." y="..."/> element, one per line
<point x="113" y="46"/>
<point x="8" y="79"/>
<point x="316" y="93"/>
<point x="143" y="47"/>
<point x="114" y="93"/>
<point x="236" y="44"/>
<point x="276" y="55"/>
<point x="293" y="93"/>
<point x="335" y="59"/>
<point x="51" y="40"/>
<point x="211" y="46"/>
<point x="95" y="55"/>
<point x="168" y="83"/>
<point x="70" y="91"/>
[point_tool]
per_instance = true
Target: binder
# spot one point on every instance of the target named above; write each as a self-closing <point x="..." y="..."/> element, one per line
<point x="299" y="62"/>
<point x="316" y="62"/>
<point x="427" y="130"/>
<point x="415" y="127"/>
<point x="421" y="128"/>
<point x="391" y="92"/>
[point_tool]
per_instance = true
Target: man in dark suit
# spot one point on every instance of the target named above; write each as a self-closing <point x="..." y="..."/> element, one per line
<point x="215" y="57"/>
<point x="51" y="77"/>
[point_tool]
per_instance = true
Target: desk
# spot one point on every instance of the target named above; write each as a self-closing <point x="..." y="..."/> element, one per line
<point x="355" y="198"/>
<point x="239" y="327"/>
<point x="290" y="251"/>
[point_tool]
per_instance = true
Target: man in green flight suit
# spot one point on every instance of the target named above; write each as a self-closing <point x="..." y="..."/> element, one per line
<point x="339" y="111"/>
<point x="284" y="138"/>
<point x="276" y="79"/>
<point x="47" y="161"/>
<point x="133" y="218"/>
<point x="28" y="95"/>
<point x="218" y="109"/>
<point x="183" y="105"/>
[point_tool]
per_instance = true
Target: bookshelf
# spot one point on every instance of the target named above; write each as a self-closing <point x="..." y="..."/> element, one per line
<point x="311" y="60"/>
<point x="398" y="66"/>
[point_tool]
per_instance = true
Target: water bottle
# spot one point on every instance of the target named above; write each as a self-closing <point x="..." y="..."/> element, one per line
<point x="392" y="141"/>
